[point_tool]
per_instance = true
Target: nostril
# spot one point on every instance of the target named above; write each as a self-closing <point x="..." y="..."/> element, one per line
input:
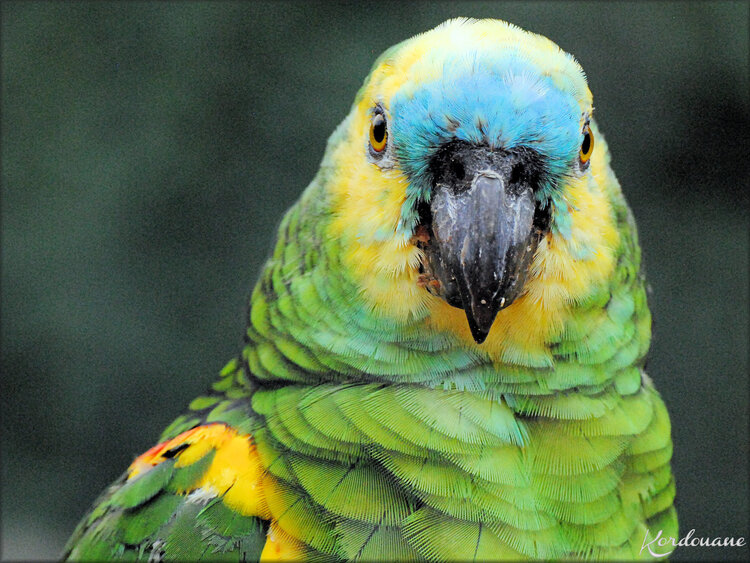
<point x="425" y="214"/>
<point x="458" y="169"/>
<point x="516" y="173"/>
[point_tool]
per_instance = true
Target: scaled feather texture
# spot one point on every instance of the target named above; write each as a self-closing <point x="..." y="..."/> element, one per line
<point x="444" y="356"/>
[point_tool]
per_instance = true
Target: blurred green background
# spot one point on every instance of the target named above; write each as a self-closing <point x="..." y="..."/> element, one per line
<point x="149" y="150"/>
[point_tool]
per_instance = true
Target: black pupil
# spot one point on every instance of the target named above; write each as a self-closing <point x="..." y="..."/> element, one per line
<point x="378" y="128"/>
<point x="586" y="144"/>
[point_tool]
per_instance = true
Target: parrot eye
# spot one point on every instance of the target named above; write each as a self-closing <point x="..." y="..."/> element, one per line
<point x="378" y="132"/>
<point x="587" y="146"/>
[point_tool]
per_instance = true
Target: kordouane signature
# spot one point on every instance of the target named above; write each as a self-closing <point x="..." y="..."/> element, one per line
<point x="661" y="545"/>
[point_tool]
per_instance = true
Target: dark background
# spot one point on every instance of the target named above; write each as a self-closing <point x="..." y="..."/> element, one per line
<point x="149" y="150"/>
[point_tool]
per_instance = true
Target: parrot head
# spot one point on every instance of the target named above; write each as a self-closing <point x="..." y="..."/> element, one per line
<point x="459" y="175"/>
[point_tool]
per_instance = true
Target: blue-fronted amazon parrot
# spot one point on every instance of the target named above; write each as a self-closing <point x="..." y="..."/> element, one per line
<point x="444" y="355"/>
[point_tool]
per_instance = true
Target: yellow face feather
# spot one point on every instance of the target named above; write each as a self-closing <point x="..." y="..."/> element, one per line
<point x="368" y="199"/>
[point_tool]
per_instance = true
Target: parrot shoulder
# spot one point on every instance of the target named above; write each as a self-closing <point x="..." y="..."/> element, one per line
<point x="197" y="495"/>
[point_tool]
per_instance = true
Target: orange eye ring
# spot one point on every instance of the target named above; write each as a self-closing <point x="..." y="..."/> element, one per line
<point x="587" y="146"/>
<point x="378" y="132"/>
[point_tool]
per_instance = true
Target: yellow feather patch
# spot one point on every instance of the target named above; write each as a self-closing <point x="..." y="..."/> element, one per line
<point x="196" y="443"/>
<point x="235" y="474"/>
<point x="280" y="546"/>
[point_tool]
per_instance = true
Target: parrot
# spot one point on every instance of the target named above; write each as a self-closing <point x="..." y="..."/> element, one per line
<point x="444" y="354"/>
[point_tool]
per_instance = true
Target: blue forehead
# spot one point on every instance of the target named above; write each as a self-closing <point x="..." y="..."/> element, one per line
<point x="505" y="103"/>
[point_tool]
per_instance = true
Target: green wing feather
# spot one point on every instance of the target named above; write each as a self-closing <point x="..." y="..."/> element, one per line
<point x="159" y="513"/>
